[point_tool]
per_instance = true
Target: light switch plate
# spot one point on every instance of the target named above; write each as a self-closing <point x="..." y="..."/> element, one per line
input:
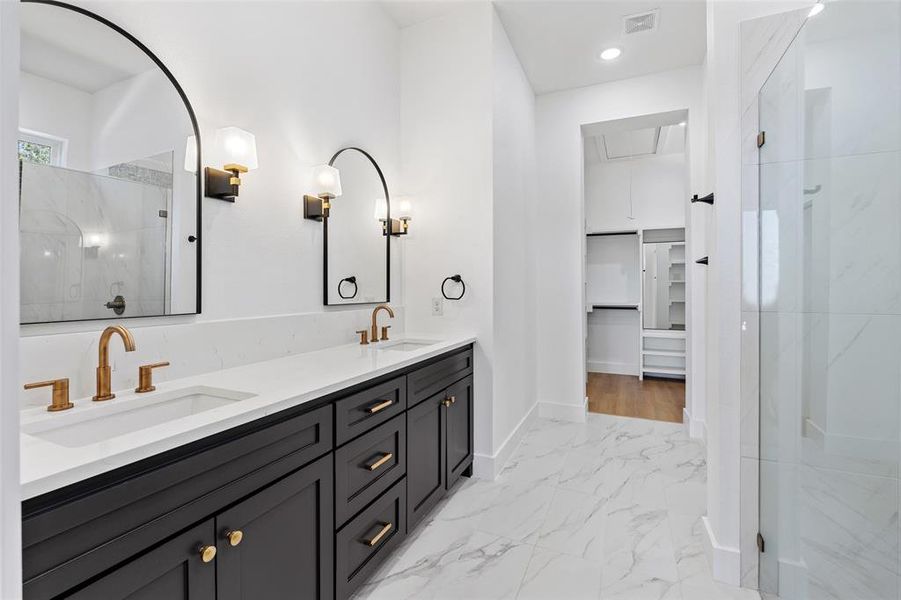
<point x="437" y="307"/>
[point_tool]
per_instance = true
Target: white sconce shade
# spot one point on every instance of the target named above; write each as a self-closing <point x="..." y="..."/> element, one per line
<point x="326" y="181"/>
<point x="381" y="209"/>
<point x="191" y="155"/>
<point x="234" y="146"/>
<point x="404" y="208"/>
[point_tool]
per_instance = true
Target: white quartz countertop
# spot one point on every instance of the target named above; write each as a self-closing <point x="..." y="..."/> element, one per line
<point x="275" y="384"/>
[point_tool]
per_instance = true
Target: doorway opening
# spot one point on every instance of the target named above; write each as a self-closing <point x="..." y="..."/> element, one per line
<point x="635" y="187"/>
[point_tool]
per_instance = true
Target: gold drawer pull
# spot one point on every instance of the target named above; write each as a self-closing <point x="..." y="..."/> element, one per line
<point x="207" y="553"/>
<point x="378" y="537"/>
<point x="380" y="406"/>
<point x="446" y="402"/>
<point x="381" y="461"/>
<point x="453" y="399"/>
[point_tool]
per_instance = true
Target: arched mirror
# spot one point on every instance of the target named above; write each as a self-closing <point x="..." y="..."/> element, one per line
<point x="109" y="196"/>
<point x="357" y="265"/>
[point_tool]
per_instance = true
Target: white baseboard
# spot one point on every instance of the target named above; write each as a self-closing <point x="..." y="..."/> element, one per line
<point x="793" y="577"/>
<point x="488" y="467"/>
<point x="564" y="412"/>
<point x="725" y="561"/>
<point x="696" y="429"/>
<point x="616" y="368"/>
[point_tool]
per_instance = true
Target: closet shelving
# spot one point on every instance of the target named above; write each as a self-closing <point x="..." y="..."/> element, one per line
<point x="614" y="272"/>
<point x="663" y="351"/>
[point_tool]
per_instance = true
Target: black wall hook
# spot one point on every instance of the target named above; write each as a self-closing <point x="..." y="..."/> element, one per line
<point x="708" y="199"/>
<point x="455" y="279"/>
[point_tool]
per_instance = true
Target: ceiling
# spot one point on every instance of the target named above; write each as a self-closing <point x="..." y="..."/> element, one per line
<point x="557" y="42"/>
<point x="635" y="137"/>
<point x="410" y="12"/>
<point x="77" y="51"/>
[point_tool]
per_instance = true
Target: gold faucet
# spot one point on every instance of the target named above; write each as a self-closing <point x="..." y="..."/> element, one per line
<point x="374" y="333"/>
<point x="103" y="368"/>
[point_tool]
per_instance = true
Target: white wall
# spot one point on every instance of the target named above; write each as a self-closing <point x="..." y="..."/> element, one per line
<point x="468" y="159"/>
<point x="10" y="518"/>
<point x="515" y="228"/>
<point x="559" y="116"/>
<point x="728" y="107"/>
<point x="656" y="186"/>
<point x="275" y="78"/>
<point x="53" y="108"/>
<point x="446" y="144"/>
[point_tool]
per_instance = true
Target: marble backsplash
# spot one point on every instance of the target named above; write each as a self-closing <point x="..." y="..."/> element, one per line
<point x="192" y="347"/>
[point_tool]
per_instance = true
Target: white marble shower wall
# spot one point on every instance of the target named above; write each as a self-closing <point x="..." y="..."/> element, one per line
<point x="829" y="350"/>
<point x="87" y="238"/>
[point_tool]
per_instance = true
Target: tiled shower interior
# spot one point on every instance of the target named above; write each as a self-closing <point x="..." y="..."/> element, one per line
<point x="830" y="308"/>
<point x="87" y="238"/>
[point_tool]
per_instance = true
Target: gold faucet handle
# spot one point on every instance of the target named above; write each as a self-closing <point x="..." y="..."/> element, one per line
<point x="60" y="393"/>
<point x="145" y="377"/>
<point x="364" y="337"/>
<point x="385" y="329"/>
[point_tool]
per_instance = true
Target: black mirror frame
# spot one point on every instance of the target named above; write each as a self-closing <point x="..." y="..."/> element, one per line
<point x="197" y="235"/>
<point x="325" y="287"/>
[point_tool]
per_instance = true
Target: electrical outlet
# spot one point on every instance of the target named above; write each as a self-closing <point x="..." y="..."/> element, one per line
<point x="437" y="307"/>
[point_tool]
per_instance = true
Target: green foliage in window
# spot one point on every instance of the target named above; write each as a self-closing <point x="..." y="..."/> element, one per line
<point x="36" y="153"/>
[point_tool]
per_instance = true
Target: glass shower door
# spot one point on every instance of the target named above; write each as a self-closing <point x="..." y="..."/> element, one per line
<point x="830" y="308"/>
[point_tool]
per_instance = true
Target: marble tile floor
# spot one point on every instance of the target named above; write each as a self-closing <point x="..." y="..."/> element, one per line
<point x="609" y="509"/>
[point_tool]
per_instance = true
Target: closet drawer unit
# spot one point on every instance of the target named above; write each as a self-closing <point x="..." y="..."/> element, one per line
<point x="367" y="466"/>
<point x="373" y="406"/>
<point x="370" y="538"/>
<point x="437" y="376"/>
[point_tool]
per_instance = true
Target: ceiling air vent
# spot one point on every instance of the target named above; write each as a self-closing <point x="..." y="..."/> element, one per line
<point x="646" y="21"/>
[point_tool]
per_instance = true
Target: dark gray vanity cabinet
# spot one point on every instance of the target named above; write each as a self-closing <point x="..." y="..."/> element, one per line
<point x="285" y="550"/>
<point x="320" y="495"/>
<point x="439" y="432"/>
<point x="459" y="430"/>
<point x="286" y="544"/>
<point x="427" y="448"/>
<point x="174" y="571"/>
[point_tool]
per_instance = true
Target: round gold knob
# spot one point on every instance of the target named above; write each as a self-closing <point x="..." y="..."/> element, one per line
<point x="235" y="537"/>
<point x="207" y="553"/>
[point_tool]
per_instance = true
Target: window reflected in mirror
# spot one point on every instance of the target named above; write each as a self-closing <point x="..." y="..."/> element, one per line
<point x="108" y="213"/>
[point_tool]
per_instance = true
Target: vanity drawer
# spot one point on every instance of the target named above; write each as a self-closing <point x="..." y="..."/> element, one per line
<point x="364" y="543"/>
<point x="431" y="379"/>
<point x="364" y="410"/>
<point x="368" y="466"/>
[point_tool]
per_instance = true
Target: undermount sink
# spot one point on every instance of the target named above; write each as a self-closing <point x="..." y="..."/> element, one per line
<point x="98" y="423"/>
<point x="405" y="345"/>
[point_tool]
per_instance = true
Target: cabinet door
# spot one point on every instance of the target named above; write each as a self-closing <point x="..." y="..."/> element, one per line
<point x="286" y="548"/>
<point x="174" y="571"/>
<point x="426" y="453"/>
<point x="459" y="429"/>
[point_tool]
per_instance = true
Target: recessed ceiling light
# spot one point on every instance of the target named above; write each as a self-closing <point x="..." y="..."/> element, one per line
<point x="816" y="9"/>
<point x="611" y="53"/>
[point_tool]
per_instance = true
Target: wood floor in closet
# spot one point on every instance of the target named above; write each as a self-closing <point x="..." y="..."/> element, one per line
<point x="627" y="396"/>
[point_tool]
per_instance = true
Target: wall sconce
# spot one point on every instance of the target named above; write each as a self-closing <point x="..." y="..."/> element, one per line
<point x="327" y="180"/>
<point x="400" y="225"/>
<point x="237" y="151"/>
